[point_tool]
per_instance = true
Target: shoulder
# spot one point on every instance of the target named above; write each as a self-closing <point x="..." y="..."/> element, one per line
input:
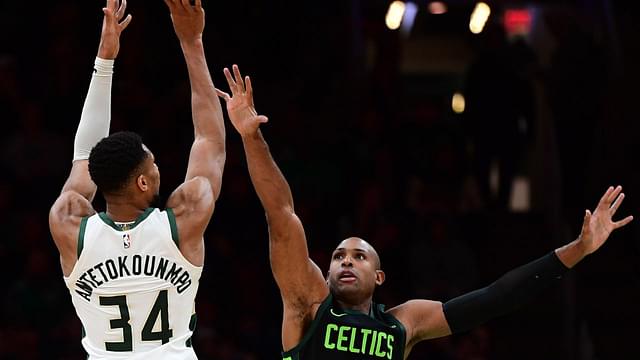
<point x="70" y="206"/>
<point x="193" y="195"/>
<point x="192" y="204"/>
<point x="422" y="319"/>
<point x="65" y="217"/>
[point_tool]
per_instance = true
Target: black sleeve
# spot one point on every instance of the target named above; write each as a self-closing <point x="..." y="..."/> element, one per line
<point x="504" y="295"/>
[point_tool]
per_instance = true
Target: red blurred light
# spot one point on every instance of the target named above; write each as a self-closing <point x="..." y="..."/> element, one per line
<point x="437" y="8"/>
<point x="517" y="21"/>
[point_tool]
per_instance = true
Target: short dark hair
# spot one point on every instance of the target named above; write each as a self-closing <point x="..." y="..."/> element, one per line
<point x="114" y="160"/>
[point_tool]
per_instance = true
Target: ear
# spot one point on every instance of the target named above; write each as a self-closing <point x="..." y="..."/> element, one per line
<point x="380" y="276"/>
<point x="142" y="183"/>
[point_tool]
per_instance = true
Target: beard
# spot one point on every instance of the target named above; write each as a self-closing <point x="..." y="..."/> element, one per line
<point x="156" y="202"/>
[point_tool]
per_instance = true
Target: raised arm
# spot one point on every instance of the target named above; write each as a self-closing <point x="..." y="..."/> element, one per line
<point x="79" y="190"/>
<point x="207" y="155"/>
<point x="301" y="283"/>
<point x="194" y="200"/>
<point x="430" y="319"/>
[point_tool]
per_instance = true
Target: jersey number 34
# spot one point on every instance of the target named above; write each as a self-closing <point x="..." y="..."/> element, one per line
<point x="160" y="308"/>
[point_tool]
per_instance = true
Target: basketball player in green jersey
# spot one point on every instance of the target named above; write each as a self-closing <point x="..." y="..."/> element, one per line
<point x="334" y="318"/>
<point x="133" y="270"/>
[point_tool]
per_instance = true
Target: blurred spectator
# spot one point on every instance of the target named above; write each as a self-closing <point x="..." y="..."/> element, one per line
<point x="499" y="113"/>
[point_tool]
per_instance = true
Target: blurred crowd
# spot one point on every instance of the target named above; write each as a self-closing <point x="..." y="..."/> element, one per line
<point x="368" y="150"/>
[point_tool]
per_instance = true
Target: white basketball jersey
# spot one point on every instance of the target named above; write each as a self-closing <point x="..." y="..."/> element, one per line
<point x="133" y="290"/>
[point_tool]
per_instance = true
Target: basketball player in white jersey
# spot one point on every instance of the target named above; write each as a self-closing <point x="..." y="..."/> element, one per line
<point x="133" y="270"/>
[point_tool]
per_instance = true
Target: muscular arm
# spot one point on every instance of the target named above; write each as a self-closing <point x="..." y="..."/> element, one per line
<point x="194" y="200"/>
<point x="429" y="319"/>
<point x="79" y="190"/>
<point x="298" y="278"/>
<point x="301" y="283"/>
<point x="207" y="156"/>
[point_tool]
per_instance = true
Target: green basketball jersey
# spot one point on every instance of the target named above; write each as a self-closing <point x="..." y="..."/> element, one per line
<point x="340" y="334"/>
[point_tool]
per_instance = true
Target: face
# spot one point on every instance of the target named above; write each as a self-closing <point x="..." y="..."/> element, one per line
<point x="355" y="271"/>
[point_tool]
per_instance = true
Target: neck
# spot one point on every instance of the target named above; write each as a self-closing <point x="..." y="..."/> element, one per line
<point x="363" y="307"/>
<point x="121" y="210"/>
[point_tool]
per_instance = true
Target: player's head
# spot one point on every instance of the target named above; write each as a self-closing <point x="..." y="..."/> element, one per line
<point x="355" y="271"/>
<point x="121" y="165"/>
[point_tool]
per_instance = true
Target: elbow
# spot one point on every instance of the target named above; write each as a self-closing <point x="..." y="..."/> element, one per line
<point x="278" y="213"/>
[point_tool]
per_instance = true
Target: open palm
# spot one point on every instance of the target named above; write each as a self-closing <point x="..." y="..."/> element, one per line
<point x="240" y="106"/>
<point x="597" y="227"/>
<point x="112" y="26"/>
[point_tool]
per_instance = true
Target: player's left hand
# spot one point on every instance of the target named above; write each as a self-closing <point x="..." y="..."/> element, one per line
<point x="597" y="227"/>
<point x="112" y="27"/>
<point x="240" y="106"/>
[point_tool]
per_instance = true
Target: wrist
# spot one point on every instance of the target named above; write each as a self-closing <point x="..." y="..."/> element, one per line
<point x="105" y="53"/>
<point x="103" y="67"/>
<point x="251" y="135"/>
<point x="572" y="253"/>
<point x="193" y="43"/>
<point x="581" y="247"/>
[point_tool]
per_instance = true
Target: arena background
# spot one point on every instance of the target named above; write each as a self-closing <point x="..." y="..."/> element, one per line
<point x="362" y="126"/>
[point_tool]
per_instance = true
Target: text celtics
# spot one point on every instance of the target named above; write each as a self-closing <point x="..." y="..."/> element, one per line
<point x="136" y="265"/>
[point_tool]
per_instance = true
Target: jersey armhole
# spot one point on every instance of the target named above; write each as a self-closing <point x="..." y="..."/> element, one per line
<point x="174" y="227"/>
<point x="311" y="330"/>
<point x="83" y="228"/>
<point x="403" y="331"/>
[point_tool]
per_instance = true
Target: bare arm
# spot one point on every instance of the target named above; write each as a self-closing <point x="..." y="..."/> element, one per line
<point x="429" y="319"/>
<point x="207" y="156"/>
<point x="193" y="201"/>
<point x="301" y="283"/>
<point x="79" y="190"/>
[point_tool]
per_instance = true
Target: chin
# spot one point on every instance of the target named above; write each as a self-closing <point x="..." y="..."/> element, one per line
<point x="348" y="290"/>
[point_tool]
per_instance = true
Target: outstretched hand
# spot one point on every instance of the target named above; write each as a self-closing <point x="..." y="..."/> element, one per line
<point x="240" y="106"/>
<point x="597" y="227"/>
<point x="112" y="27"/>
<point x="188" y="20"/>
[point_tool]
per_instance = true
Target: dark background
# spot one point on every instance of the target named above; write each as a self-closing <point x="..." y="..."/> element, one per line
<point x="362" y="127"/>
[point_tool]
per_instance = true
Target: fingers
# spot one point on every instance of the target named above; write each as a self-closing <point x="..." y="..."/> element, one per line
<point x="609" y="196"/>
<point x="247" y="82"/>
<point x="112" y="5"/>
<point x="238" y="77"/>
<point x="114" y="15"/>
<point x="186" y="4"/>
<point x="223" y="94"/>
<point x="614" y="194"/>
<point x="616" y="204"/>
<point x="120" y="12"/>
<point x="262" y="119"/>
<point x="232" y="84"/>
<point x="623" y="222"/>
<point x="198" y="5"/>
<point x="585" y="222"/>
<point x="604" y="197"/>
<point x="108" y="11"/>
<point x="125" y="22"/>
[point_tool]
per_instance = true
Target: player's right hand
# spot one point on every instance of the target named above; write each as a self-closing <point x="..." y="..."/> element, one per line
<point x="188" y="20"/>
